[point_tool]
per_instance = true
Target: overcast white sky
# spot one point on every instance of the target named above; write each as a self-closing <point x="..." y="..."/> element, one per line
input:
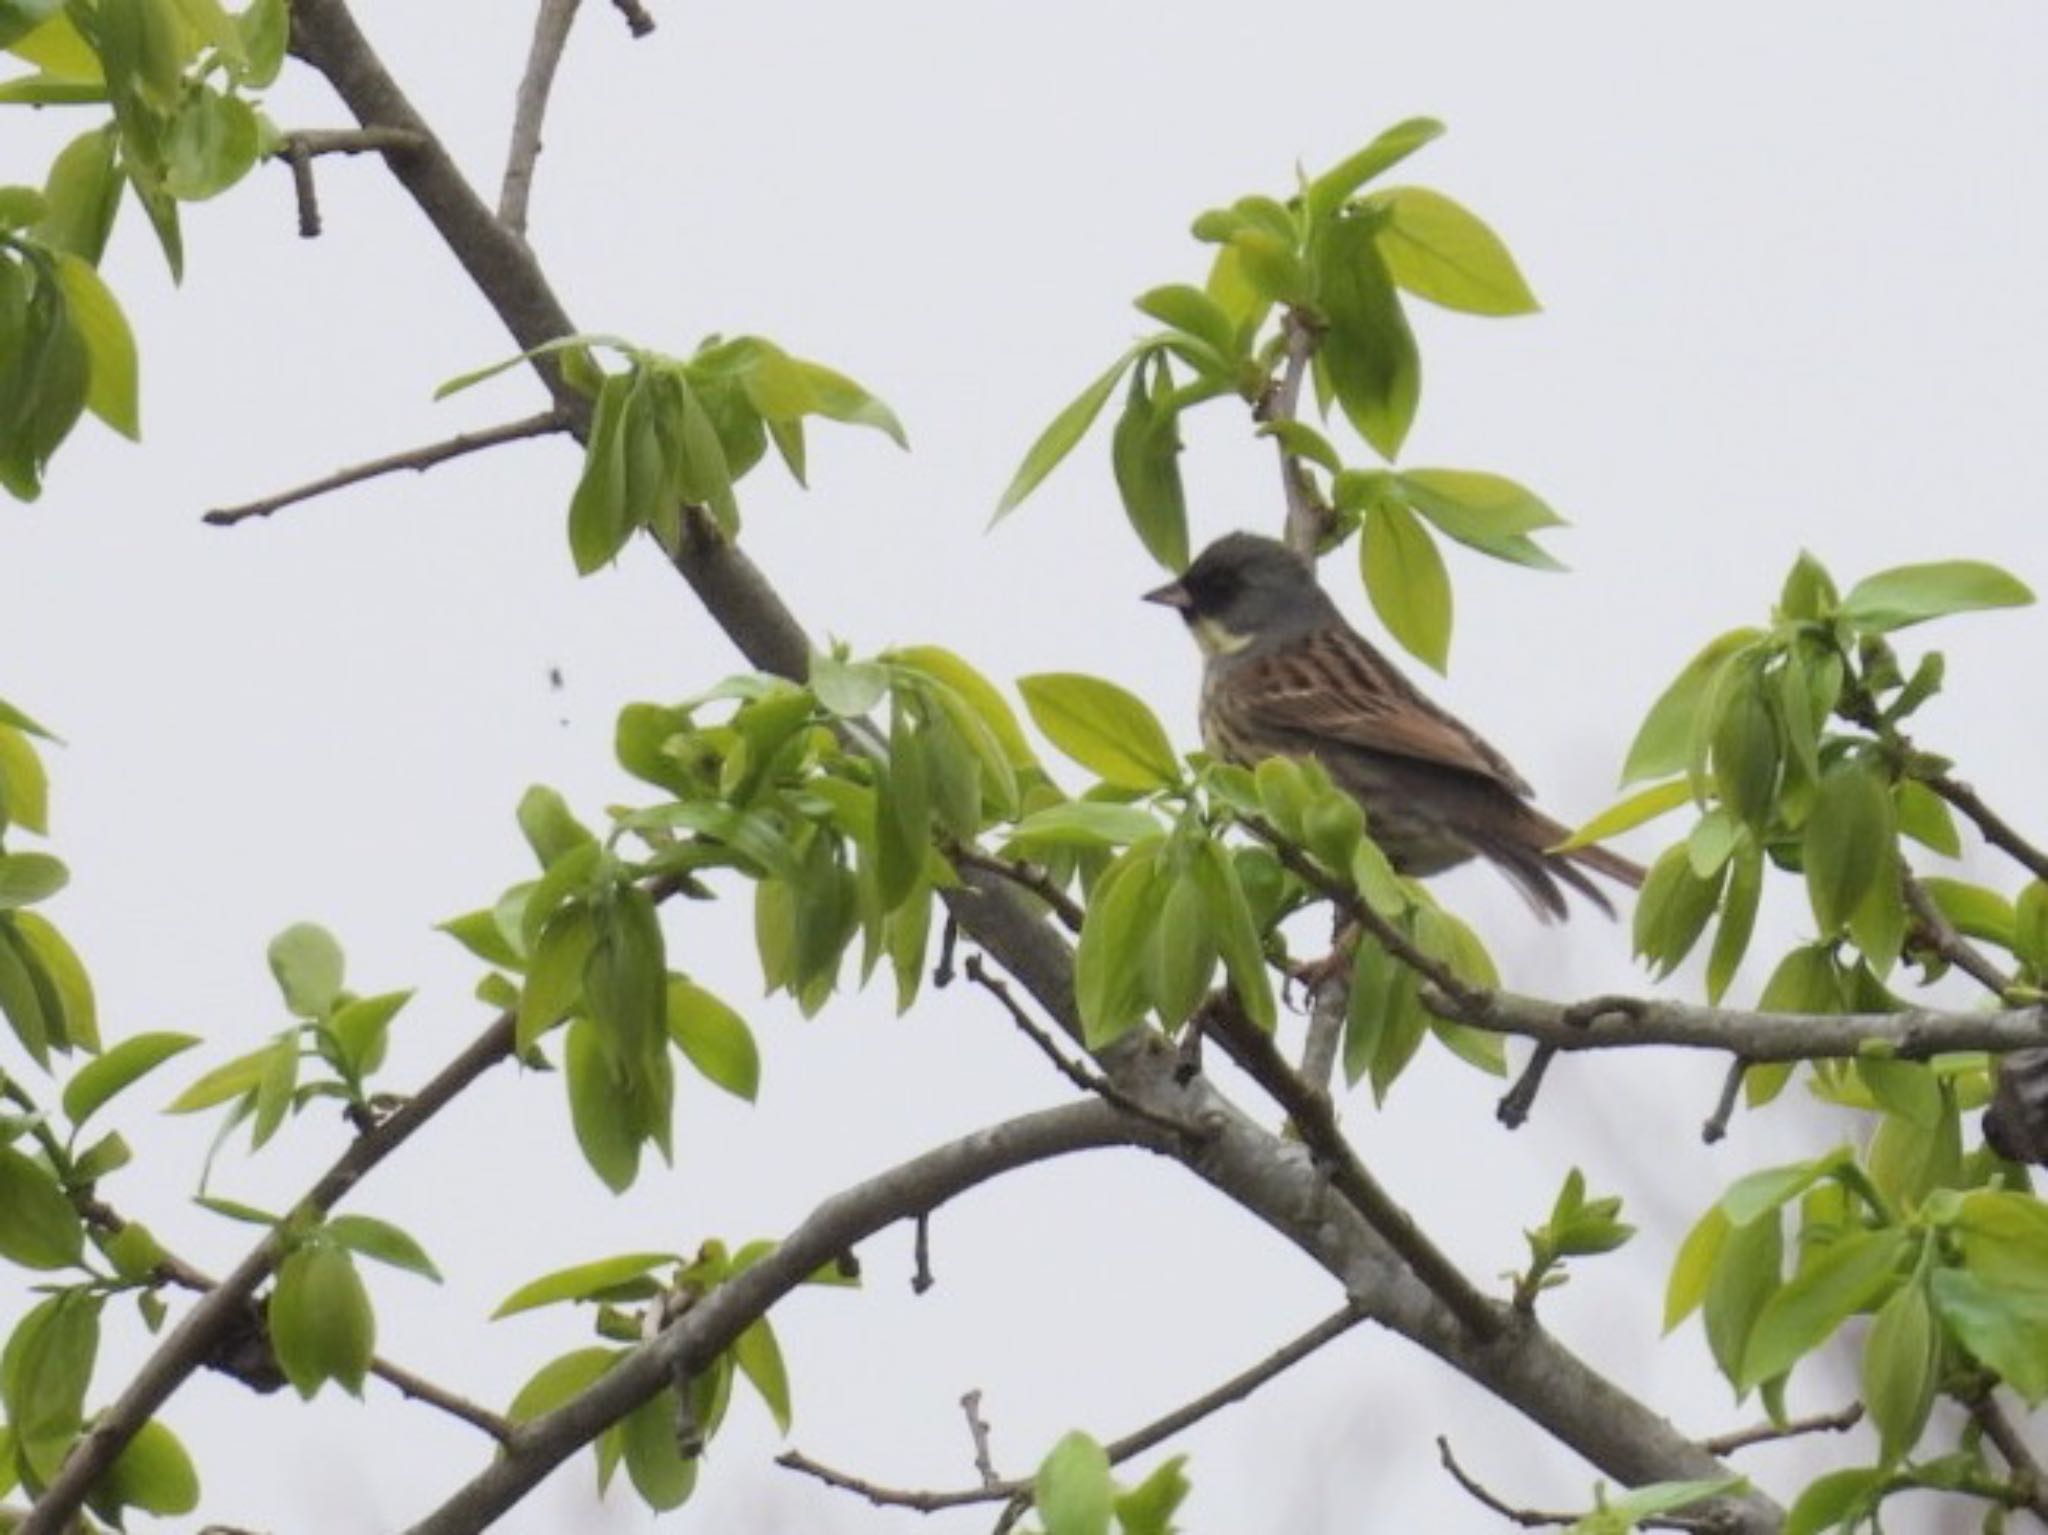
<point x="1791" y="260"/>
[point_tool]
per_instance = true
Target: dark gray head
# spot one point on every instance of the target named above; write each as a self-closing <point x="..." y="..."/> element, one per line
<point x="1244" y="590"/>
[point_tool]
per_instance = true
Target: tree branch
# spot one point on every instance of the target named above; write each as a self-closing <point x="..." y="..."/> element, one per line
<point x="1994" y="828"/>
<point x="1133" y="1444"/>
<point x="1025" y="876"/>
<point x="550" y="36"/>
<point x="712" y="1325"/>
<point x="1767" y="1433"/>
<point x="1913" y="1035"/>
<point x="1305" y="518"/>
<point x="638" y="22"/>
<point x="197" y="1336"/>
<point x="545" y="424"/>
<point x="2029" y="1480"/>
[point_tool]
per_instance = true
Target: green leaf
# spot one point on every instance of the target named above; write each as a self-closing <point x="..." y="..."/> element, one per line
<point x="565" y="1376"/>
<point x="1747" y="1272"/>
<point x="549" y="827"/>
<point x="1925" y="817"/>
<point x="759" y="1357"/>
<point x="623" y="979"/>
<point x="1487" y="512"/>
<point x="976" y="691"/>
<point x="1843" y="1280"/>
<point x="2004" y="1236"/>
<point x="847" y="689"/>
<point x="1237" y="937"/>
<point x="1073" y="1489"/>
<point x="585" y="1281"/>
<point x="359" y="1029"/>
<point x="1180" y="955"/>
<point x="558" y="345"/>
<point x="1849" y="841"/>
<point x="24" y="786"/>
<point x="1673" y="909"/>
<point x="308" y="965"/>
<point x="1331" y="190"/>
<point x="1627" y="814"/>
<point x="1900" y="1357"/>
<point x="38" y="1227"/>
<point x="1694" y="1265"/>
<point x="153" y="1474"/>
<point x="713" y="1038"/>
<point x="321" y="1324"/>
<point x="1442" y="252"/>
<point x="26" y="878"/>
<point x="1738" y="919"/>
<point x="127" y="1063"/>
<point x="1060" y="438"/>
<point x="1145" y="454"/>
<point x="1833" y="1501"/>
<point x="230" y="1080"/>
<point x="383" y="1241"/>
<point x="47" y="1370"/>
<point x="2004" y="1325"/>
<point x="1087" y="823"/>
<point x="1108" y="959"/>
<point x="276" y="1084"/>
<point x="1102" y="727"/>
<point x="1194" y="313"/>
<point x="1663" y="746"/>
<point x="903" y="809"/>
<point x="659" y="1470"/>
<point x="1405" y="577"/>
<point x="1368" y="352"/>
<point x="210" y="144"/>
<point x="83" y="194"/>
<point x="18" y="18"/>
<point x="599" y="520"/>
<point x="1147" y="1509"/>
<point x="266" y="29"/>
<point x="1758" y="1193"/>
<point x="1912" y="594"/>
<point x="600" y="1087"/>
<point x="1746" y="755"/>
<point x="1646" y="1503"/>
<point x="45" y="949"/>
<point x="24" y="1002"/>
<point x="1974" y="911"/>
<point x="554" y="980"/>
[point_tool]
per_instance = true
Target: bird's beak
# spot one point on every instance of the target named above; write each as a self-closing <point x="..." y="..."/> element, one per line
<point x="1171" y="595"/>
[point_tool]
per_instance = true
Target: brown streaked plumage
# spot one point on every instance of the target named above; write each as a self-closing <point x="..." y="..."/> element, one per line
<point x="1287" y="676"/>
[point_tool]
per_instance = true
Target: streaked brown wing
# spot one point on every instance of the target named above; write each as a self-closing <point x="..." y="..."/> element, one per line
<point x="1335" y="686"/>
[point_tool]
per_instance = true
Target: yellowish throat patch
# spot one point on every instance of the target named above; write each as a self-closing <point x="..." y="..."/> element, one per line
<point x="1215" y="640"/>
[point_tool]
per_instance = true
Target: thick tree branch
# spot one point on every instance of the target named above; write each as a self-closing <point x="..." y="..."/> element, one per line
<point x="545" y="424"/>
<point x="1026" y="876"/>
<point x="550" y="35"/>
<point x="715" y="1322"/>
<point x="1622" y="1023"/>
<point x="315" y="142"/>
<point x="1131" y="1445"/>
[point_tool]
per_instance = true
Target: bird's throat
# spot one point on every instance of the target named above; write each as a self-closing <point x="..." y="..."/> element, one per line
<point x="1215" y="640"/>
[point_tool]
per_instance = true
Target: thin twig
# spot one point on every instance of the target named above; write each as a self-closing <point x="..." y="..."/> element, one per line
<point x="1537" y="1519"/>
<point x="1328" y="1009"/>
<point x="921" y="1279"/>
<point x="1716" y="1126"/>
<point x="550" y="36"/>
<point x="1026" y="876"/>
<point x="315" y="142"/>
<point x="1282" y="402"/>
<point x="1766" y="1433"/>
<point x="304" y="192"/>
<point x="1994" y="828"/>
<point x="1515" y="1104"/>
<point x="1936" y="932"/>
<point x="977" y="1430"/>
<point x="949" y="944"/>
<point x="1088" y="1081"/>
<point x="2029" y="1480"/>
<point x="638" y="22"/>
<point x="421" y="1389"/>
<point x="1130" y="1446"/>
<point x="545" y="424"/>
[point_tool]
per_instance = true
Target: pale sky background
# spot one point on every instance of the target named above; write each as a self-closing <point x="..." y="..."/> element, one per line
<point x="1791" y="262"/>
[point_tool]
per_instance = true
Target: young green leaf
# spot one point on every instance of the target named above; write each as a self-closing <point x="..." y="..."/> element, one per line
<point x="1073" y="1489"/>
<point x="1901" y="1355"/>
<point x="558" y="1380"/>
<point x="1912" y="594"/>
<point x="1104" y="728"/>
<point x="659" y="1470"/>
<point x="1331" y="190"/>
<point x="383" y="1241"/>
<point x="1846" y="1278"/>
<point x="321" y="1324"/>
<point x="599" y="517"/>
<point x="359" y="1030"/>
<point x="759" y="1357"/>
<point x="1087" y="823"/>
<point x="38" y="1227"/>
<point x="1059" y="439"/>
<point x="713" y="1038"/>
<point x="1145" y="454"/>
<point x="585" y="1281"/>
<point x="1237" y="939"/>
<point x="1109" y="986"/>
<point x="121" y="1067"/>
<point x="1849" y="841"/>
<point x="1738" y="919"/>
<point x="307" y="963"/>
<point x="2004" y="1325"/>
<point x="1627" y="814"/>
<point x="153" y="1474"/>
<point x="27" y="878"/>
<point x="1194" y="313"/>
<point x="1663" y="746"/>
<point x="1405" y="577"/>
<point x="1368" y="352"/>
<point x="1442" y="252"/>
<point x="111" y="389"/>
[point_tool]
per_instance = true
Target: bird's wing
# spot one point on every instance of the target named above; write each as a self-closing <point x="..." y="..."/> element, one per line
<point x="1332" y="685"/>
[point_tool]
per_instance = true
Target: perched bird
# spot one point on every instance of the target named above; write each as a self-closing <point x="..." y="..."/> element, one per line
<point x="1285" y="675"/>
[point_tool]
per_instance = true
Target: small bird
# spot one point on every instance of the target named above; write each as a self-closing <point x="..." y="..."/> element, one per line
<point x="1286" y="676"/>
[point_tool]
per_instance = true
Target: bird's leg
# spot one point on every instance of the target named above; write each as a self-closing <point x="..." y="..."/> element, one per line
<point x="1313" y="975"/>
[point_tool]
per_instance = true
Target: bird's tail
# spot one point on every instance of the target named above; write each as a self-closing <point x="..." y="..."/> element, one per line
<point x="1523" y="854"/>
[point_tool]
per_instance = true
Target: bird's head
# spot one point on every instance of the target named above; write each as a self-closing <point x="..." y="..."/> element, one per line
<point x="1241" y="590"/>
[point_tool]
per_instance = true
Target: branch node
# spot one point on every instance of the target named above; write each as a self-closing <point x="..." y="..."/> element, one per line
<point x="1716" y="1126"/>
<point x="638" y="21"/>
<point x="977" y="1429"/>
